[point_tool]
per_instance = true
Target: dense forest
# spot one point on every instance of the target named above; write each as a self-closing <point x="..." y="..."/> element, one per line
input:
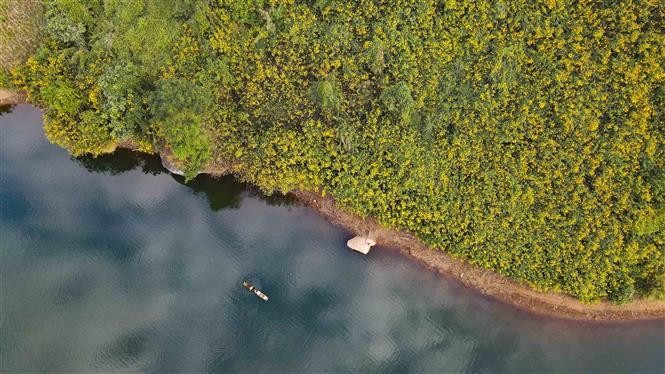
<point x="522" y="136"/>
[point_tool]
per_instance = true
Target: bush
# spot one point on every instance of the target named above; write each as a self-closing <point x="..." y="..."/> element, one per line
<point x="398" y="101"/>
<point x="327" y="97"/>
<point x="122" y="102"/>
<point x="623" y="289"/>
<point x="179" y="109"/>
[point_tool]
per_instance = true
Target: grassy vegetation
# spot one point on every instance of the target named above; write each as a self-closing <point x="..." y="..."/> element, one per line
<point x="524" y="136"/>
<point x="21" y="23"/>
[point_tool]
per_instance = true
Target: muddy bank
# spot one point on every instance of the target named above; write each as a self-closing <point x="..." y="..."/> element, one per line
<point x="8" y="97"/>
<point x="484" y="281"/>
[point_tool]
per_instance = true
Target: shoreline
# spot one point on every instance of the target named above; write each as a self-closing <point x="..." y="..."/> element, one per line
<point x="486" y="282"/>
<point x="9" y="97"/>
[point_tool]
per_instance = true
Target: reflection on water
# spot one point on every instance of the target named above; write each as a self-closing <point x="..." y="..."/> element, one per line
<point x="4" y="109"/>
<point x="112" y="264"/>
<point x="222" y="192"/>
<point x="120" y="161"/>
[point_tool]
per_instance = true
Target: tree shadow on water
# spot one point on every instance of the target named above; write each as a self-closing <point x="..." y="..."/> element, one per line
<point x="6" y="109"/>
<point x="121" y="161"/>
<point x="224" y="192"/>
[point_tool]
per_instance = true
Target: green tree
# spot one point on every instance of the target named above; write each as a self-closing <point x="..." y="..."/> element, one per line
<point x="179" y="110"/>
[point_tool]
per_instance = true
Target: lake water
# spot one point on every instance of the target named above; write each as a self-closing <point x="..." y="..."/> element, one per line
<point x="112" y="264"/>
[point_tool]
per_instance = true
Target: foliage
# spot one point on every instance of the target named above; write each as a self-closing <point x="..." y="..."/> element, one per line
<point x="20" y="25"/>
<point x="121" y="104"/>
<point x="398" y="101"/>
<point x="327" y="97"/>
<point x="67" y="21"/>
<point x="179" y="109"/>
<point x="5" y="79"/>
<point x="623" y="291"/>
<point x="62" y="97"/>
<point x="526" y="137"/>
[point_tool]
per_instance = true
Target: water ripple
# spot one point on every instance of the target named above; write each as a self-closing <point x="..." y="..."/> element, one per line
<point x="105" y="268"/>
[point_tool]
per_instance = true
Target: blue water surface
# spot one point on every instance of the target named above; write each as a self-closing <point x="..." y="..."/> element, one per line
<point x="112" y="264"/>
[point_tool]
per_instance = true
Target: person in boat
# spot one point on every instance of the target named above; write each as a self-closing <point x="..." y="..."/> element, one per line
<point x="255" y="290"/>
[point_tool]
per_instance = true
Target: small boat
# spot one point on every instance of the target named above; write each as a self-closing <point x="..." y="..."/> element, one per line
<point x="258" y="293"/>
